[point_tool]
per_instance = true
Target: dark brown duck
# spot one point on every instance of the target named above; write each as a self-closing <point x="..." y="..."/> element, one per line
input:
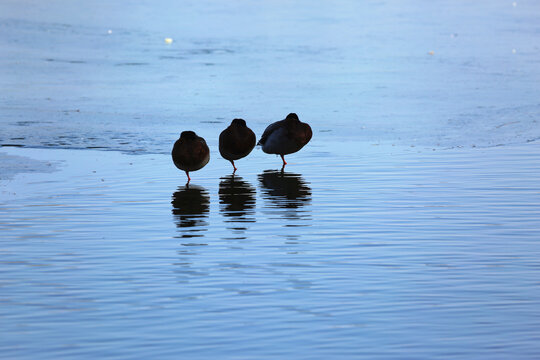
<point x="285" y="136"/>
<point x="236" y="141"/>
<point x="190" y="152"/>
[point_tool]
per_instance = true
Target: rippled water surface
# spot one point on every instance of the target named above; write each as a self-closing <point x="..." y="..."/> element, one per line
<point x="384" y="253"/>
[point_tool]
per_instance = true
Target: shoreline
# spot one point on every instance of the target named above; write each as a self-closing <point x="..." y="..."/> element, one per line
<point x="13" y="162"/>
<point x="30" y="162"/>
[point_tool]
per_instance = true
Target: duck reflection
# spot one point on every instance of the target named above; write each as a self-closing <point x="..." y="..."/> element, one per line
<point x="237" y="199"/>
<point x="285" y="190"/>
<point x="191" y="205"/>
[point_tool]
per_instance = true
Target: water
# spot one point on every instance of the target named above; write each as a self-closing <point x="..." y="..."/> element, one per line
<point x="407" y="227"/>
<point x="390" y="253"/>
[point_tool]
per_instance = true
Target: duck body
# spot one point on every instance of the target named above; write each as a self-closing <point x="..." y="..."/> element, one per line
<point x="190" y="152"/>
<point x="285" y="136"/>
<point x="236" y="141"/>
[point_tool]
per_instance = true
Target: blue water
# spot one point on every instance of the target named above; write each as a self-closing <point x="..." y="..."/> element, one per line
<point x="390" y="253"/>
<point x="406" y="229"/>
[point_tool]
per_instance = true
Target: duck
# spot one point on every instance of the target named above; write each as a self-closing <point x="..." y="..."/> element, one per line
<point x="285" y="136"/>
<point x="236" y="141"/>
<point x="190" y="152"/>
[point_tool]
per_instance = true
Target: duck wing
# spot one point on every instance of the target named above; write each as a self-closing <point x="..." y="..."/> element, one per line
<point x="269" y="130"/>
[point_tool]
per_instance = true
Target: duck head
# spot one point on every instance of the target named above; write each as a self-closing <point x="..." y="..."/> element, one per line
<point x="188" y="135"/>
<point x="239" y="122"/>
<point x="292" y="117"/>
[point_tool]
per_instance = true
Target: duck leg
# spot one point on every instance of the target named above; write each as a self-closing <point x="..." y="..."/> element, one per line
<point x="188" y="178"/>
<point x="232" y="162"/>
<point x="283" y="158"/>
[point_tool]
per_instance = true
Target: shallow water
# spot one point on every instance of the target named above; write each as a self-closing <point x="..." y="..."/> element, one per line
<point x="386" y="253"/>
